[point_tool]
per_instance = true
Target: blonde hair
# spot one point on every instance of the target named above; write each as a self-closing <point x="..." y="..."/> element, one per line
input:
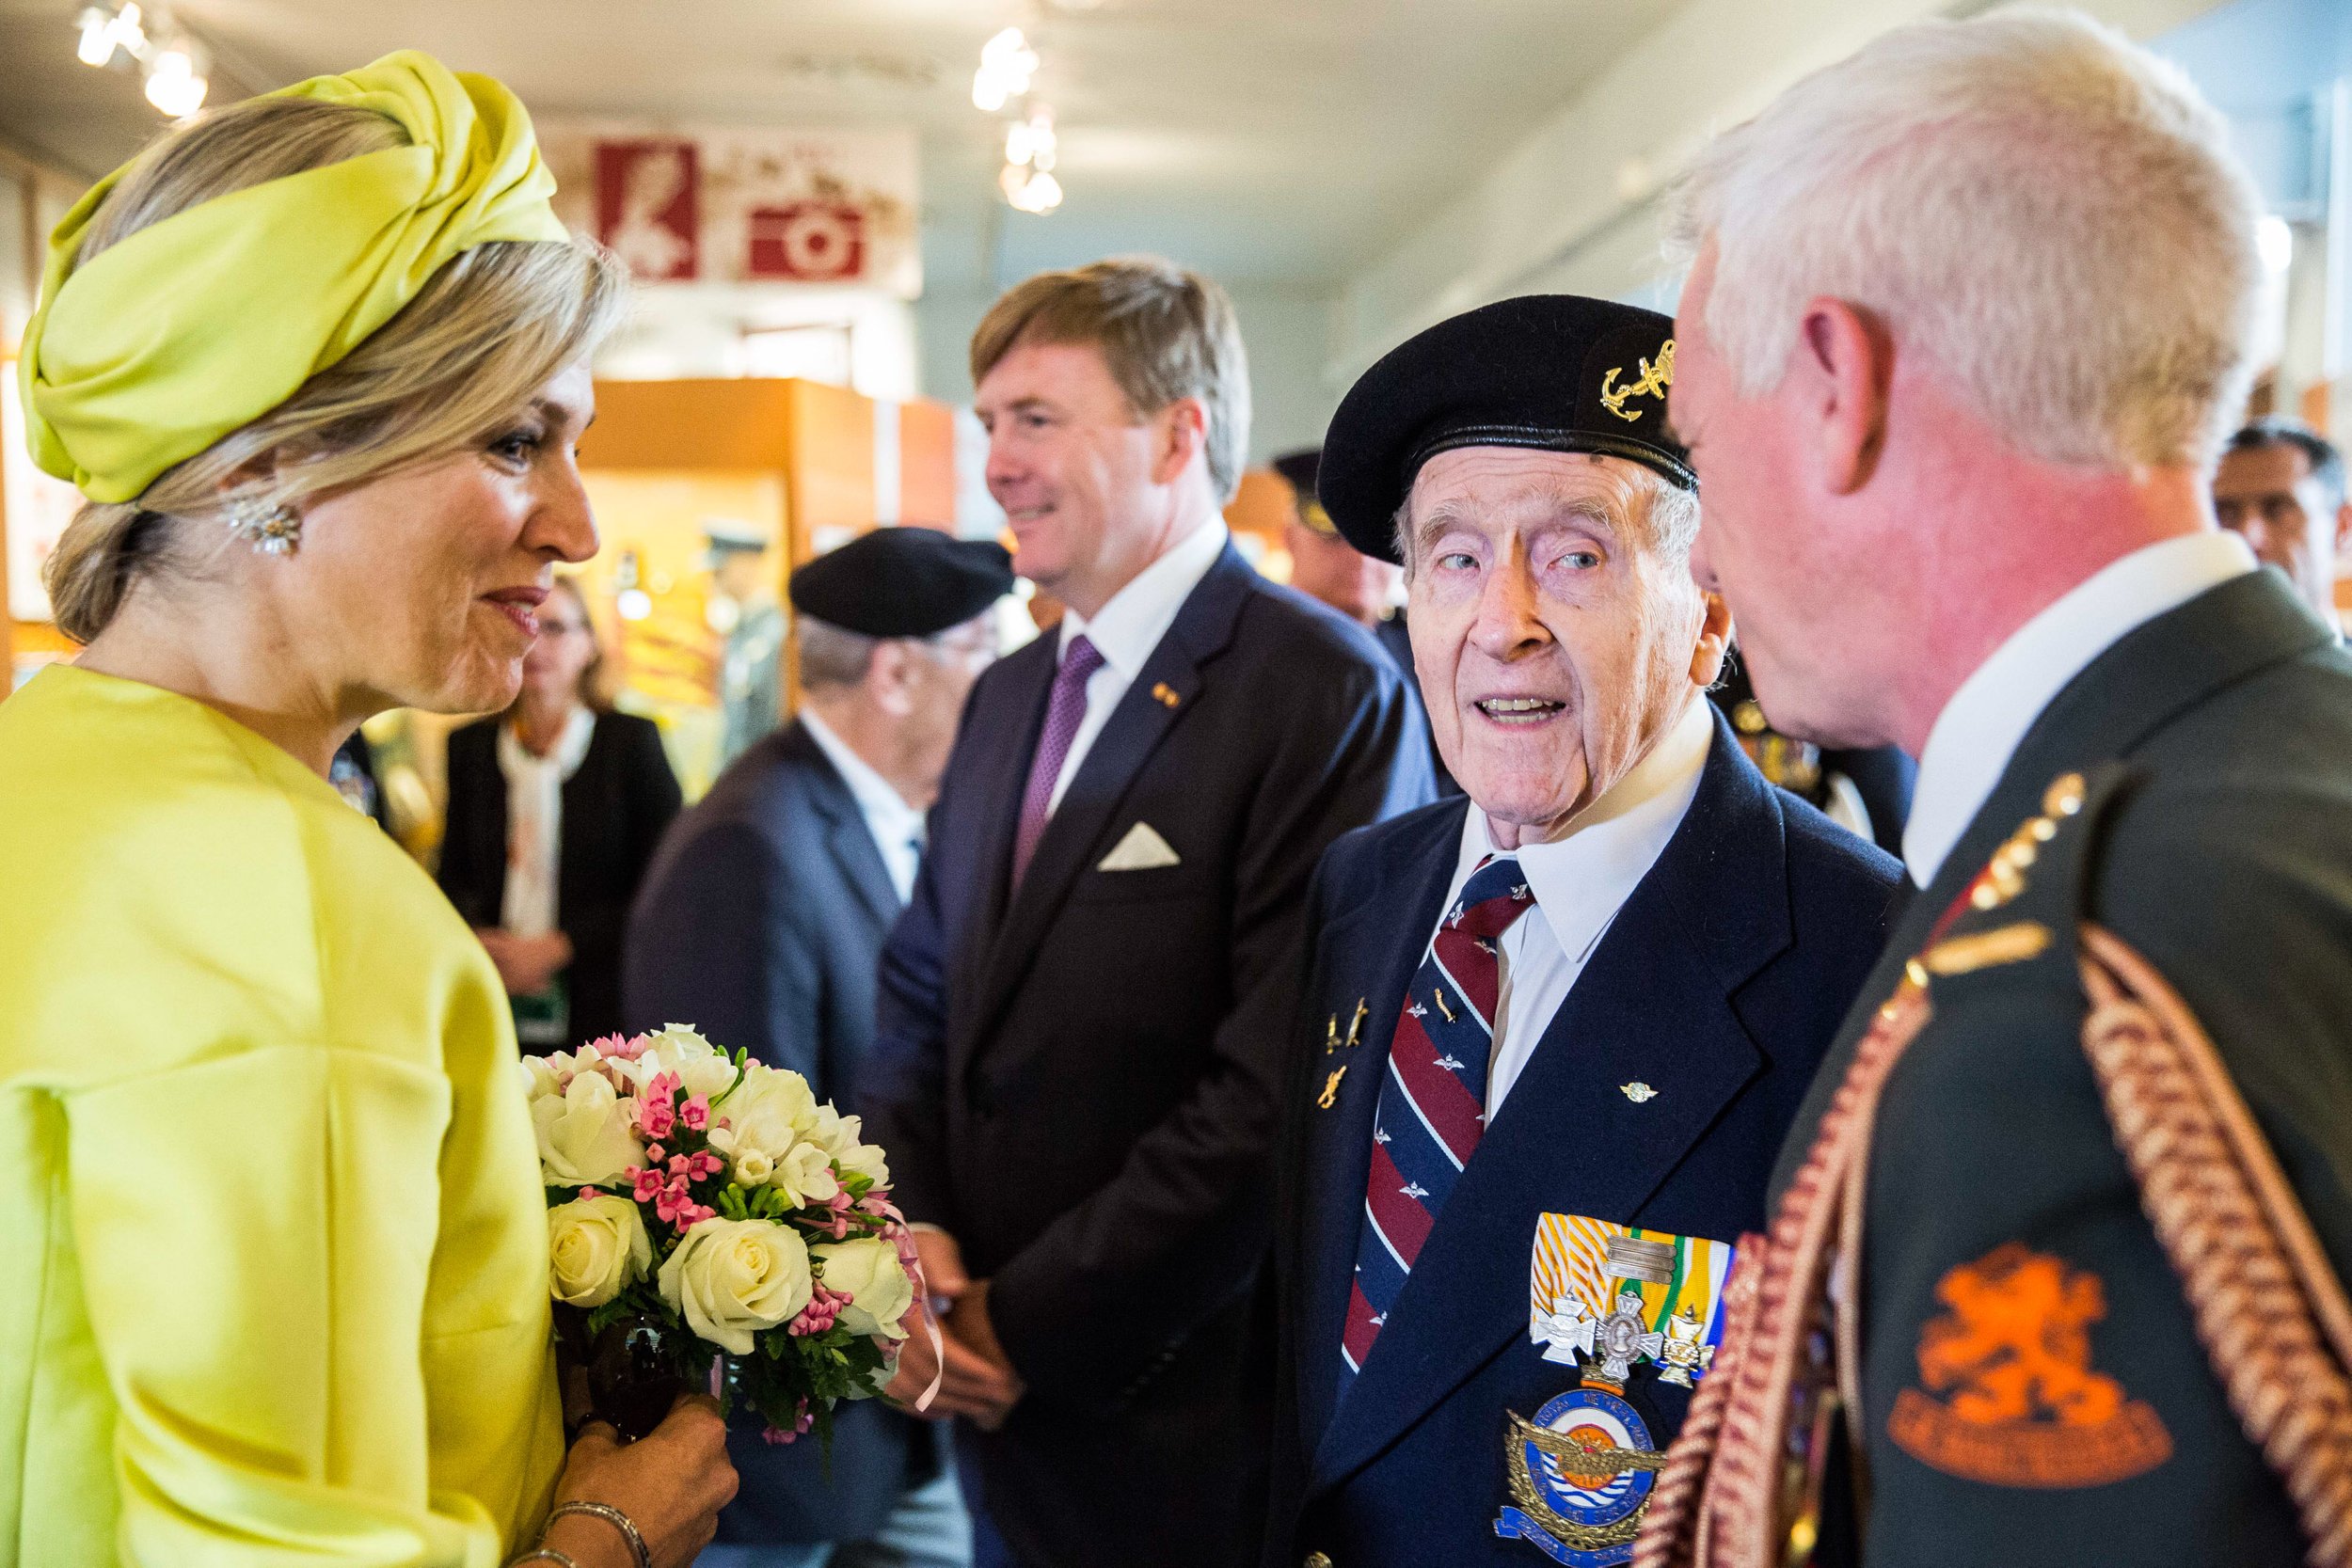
<point x="489" y="328"/>
<point x="1165" y="331"/>
<point x="2046" y="212"/>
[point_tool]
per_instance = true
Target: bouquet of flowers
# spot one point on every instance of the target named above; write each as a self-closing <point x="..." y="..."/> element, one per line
<point x="709" y="1223"/>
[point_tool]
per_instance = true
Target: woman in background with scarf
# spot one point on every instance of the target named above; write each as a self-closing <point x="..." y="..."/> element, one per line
<point x="555" y="808"/>
<point x="272" y="1244"/>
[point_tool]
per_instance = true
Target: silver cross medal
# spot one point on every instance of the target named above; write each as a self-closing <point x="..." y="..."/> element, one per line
<point x="1623" y="1339"/>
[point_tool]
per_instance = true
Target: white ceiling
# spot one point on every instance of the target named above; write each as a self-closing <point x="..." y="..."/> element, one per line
<point x="1269" y="141"/>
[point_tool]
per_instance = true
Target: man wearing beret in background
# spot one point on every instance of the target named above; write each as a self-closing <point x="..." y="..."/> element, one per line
<point x="1553" y="1033"/>
<point x="761" y="920"/>
<point x="1330" y="570"/>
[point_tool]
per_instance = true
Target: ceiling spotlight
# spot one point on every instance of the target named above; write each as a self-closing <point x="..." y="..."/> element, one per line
<point x="1030" y="190"/>
<point x="1006" y="64"/>
<point x="1030" y="142"/>
<point x="105" y="29"/>
<point x="174" y="84"/>
<point x="97" y="37"/>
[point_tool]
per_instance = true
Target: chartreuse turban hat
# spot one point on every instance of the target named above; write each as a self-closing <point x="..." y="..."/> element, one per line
<point x="201" y="324"/>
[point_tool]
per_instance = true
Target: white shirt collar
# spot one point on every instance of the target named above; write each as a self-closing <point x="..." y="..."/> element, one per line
<point x="1125" y="630"/>
<point x="1581" y="881"/>
<point x="1982" y="726"/>
<point x="893" y="823"/>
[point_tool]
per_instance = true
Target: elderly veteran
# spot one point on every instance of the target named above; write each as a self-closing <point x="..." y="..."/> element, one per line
<point x="1555" y="1033"/>
<point x="2036" y="1291"/>
<point x="276" y="1286"/>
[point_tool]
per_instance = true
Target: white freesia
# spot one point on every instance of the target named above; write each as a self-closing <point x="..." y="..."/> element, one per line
<point x="752" y="1168"/>
<point x="771" y="1112"/>
<point x="587" y="1132"/>
<point x="731" y="1278"/>
<point x="595" y="1246"/>
<point x="805" y="1172"/>
<point x="868" y="1271"/>
<point x="701" y="1067"/>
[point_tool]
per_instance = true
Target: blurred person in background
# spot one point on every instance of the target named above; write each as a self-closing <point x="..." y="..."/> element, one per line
<point x="2280" y="486"/>
<point x="1084" y="1009"/>
<point x="762" y="921"/>
<point x="555" y="808"/>
<point x="743" y="610"/>
<point x="278" y="1283"/>
<point x="1369" y="589"/>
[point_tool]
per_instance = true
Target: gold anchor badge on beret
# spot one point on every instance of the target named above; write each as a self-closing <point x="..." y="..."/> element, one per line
<point x="1656" y="378"/>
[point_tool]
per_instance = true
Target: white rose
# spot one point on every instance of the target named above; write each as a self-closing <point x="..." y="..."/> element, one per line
<point x="869" y="1272"/>
<point x="752" y="1168"/>
<point x="587" y="1135"/>
<point x="701" y="1068"/>
<point x="595" y="1246"/>
<point x="771" y="1112"/>
<point x="731" y="1278"/>
<point x="806" y="1173"/>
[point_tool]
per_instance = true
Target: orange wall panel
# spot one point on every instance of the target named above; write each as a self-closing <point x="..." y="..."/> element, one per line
<point x="927" y="465"/>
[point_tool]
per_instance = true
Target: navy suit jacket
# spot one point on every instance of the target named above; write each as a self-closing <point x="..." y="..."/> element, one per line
<point x="760" y="924"/>
<point x="1720" y="984"/>
<point x="1079" y="1078"/>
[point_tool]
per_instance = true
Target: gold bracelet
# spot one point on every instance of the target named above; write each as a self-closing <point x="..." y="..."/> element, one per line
<point x="612" y="1516"/>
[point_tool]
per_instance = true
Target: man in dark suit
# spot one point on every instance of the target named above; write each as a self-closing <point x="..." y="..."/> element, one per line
<point x="1553" y="1034"/>
<point x="2061" y="1341"/>
<point x="1084" y="1009"/>
<point x="761" y="921"/>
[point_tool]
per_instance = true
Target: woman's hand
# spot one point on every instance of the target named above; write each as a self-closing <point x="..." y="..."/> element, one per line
<point x="526" y="965"/>
<point x="671" y="1482"/>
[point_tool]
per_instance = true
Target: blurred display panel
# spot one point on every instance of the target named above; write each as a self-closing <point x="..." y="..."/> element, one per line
<point x="652" y="589"/>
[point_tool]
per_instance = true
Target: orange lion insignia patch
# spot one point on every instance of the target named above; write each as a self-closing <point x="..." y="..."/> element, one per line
<point x="2020" y="1405"/>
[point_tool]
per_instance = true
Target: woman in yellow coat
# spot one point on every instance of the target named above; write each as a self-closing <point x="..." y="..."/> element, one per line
<point x="275" y="1277"/>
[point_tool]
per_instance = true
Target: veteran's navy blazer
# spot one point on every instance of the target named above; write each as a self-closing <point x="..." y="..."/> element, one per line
<point x="1080" y="1077"/>
<point x="1720" y="984"/>
<point x="760" y="922"/>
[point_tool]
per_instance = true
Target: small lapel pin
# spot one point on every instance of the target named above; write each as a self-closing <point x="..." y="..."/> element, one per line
<point x="1166" y="694"/>
<point x="1331" y="1034"/>
<point x="1637" y="1091"/>
<point x="1356" y="1024"/>
<point x="1331" y="1088"/>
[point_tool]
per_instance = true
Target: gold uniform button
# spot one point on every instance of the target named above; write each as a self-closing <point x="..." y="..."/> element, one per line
<point x="1317" y="1560"/>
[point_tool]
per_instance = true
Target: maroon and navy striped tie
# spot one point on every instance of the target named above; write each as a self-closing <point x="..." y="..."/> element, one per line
<point x="1433" y="1099"/>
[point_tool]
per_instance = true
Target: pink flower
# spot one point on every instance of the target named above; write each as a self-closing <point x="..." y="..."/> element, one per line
<point x="630" y="1049"/>
<point x="778" y="1435"/>
<point x="703" y="1165"/>
<point x="646" y="1183"/>
<point x="695" y="1112"/>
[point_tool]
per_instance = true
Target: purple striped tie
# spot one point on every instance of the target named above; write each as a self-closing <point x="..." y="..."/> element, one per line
<point x="1065" y="710"/>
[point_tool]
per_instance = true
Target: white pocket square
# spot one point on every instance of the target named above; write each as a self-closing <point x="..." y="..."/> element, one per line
<point x="1141" y="850"/>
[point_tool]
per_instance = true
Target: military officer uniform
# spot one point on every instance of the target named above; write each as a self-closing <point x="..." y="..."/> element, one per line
<point x="1501" y="1251"/>
<point x="2165" y="753"/>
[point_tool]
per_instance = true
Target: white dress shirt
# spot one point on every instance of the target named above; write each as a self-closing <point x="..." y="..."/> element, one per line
<point x="1979" y="730"/>
<point x="897" y="827"/>
<point x="1579" y="881"/>
<point x="1127" y="629"/>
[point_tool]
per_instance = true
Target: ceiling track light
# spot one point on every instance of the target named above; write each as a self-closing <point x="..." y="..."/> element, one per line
<point x="173" y="64"/>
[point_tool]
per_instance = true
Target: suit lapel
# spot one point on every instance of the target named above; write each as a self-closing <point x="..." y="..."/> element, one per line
<point x="849" y="838"/>
<point x="1392" y="937"/>
<point x="1134" y="731"/>
<point x="1652" y="1006"/>
<point x="2151" y="675"/>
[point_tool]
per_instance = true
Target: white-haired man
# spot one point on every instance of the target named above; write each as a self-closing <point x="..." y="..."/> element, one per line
<point x="1967" y="325"/>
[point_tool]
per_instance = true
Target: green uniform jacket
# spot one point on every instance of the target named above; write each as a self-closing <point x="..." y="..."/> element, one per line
<point x="2033" y="1390"/>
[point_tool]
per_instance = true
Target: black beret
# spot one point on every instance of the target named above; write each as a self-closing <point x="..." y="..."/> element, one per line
<point x="903" y="582"/>
<point x="1299" y="469"/>
<point x="1554" y="371"/>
